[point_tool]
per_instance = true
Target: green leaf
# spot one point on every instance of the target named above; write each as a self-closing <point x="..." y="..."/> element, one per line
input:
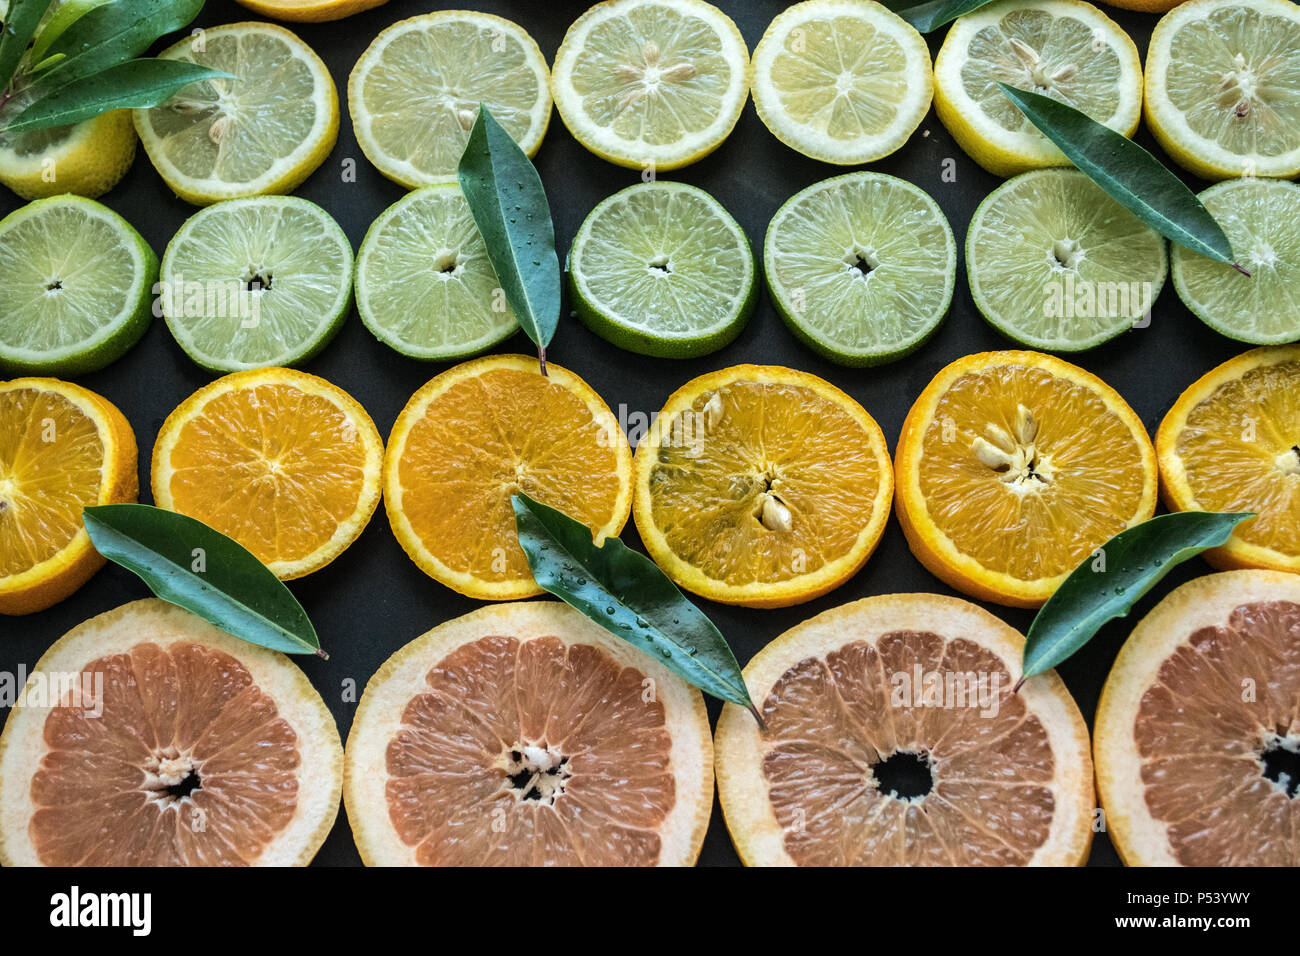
<point x="135" y="83"/>
<point x="508" y="203"/>
<point x="1111" y="580"/>
<point x="626" y="594"/>
<point x="928" y="15"/>
<point x="1131" y="175"/>
<point x="111" y="33"/>
<point x="20" y="22"/>
<point x="191" y="565"/>
<point x="68" y="13"/>
<point x="48" y="62"/>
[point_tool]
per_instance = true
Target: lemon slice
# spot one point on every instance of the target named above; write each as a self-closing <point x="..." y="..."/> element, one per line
<point x="309" y="11"/>
<point x="88" y="158"/>
<point x="654" y="84"/>
<point x="264" y="132"/>
<point x="415" y="92"/>
<point x="842" y="81"/>
<point x="1064" y="49"/>
<point x="1223" y="87"/>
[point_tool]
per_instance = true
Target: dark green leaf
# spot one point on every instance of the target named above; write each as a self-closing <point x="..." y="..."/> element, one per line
<point x="189" y="564"/>
<point x="1131" y="175"/>
<point x="508" y="202"/>
<point x="928" y="15"/>
<point x="21" y="20"/>
<point x="113" y="33"/>
<point x="1109" y="582"/>
<point x="135" y="83"/>
<point x="626" y="594"/>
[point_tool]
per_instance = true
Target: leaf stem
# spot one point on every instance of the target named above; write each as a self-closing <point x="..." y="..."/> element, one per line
<point x="322" y="654"/>
<point x="762" y="724"/>
<point x="1019" y="684"/>
<point x="541" y="359"/>
<point x="1241" y="270"/>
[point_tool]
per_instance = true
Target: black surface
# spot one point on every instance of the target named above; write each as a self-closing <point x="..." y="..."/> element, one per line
<point x="373" y="599"/>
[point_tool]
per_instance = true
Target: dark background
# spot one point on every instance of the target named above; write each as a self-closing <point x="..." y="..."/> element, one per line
<point x="373" y="599"/>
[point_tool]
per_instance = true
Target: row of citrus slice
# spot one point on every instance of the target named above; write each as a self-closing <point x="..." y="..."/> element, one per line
<point x="658" y="84"/>
<point x="861" y="267"/>
<point x="524" y="734"/>
<point x="756" y="485"/>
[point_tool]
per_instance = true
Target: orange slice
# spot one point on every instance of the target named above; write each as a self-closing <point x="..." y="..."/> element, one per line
<point x="762" y="486"/>
<point x="147" y="737"/>
<point x="283" y="462"/>
<point x="476" y="434"/>
<point x="1232" y="443"/>
<point x="525" y="735"/>
<point x="1013" y="467"/>
<point x="893" y="738"/>
<point x="62" y="447"/>
<point x="1198" y="728"/>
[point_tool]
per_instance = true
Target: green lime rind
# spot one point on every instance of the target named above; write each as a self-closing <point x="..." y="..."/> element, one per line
<point x="424" y="283"/>
<point x="1259" y="217"/>
<point x="861" y="267"/>
<point x="77" y="288"/>
<point x="662" y="269"/>
<point x="256" y="283"/>
<point x="1056" y="264"/>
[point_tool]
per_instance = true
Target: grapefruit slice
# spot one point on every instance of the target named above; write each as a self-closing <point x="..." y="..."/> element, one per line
<point x="524" y="734"/>
<point x="892" y="738"/>
<point x="1198" y="728"/>
<point x="147" y="737"/>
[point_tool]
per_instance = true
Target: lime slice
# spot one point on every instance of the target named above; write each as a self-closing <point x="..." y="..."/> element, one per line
<point x="651" y="84"/>
<point x="1223" y="87"/>
<point x="842" y="81"/>
<point x="264" y="132"/>
<point x="415" y="92"/>
<point x="252" y="283"/>
<point x="1259" y="217"/>
<point x="424" y="282"/>
<point x="1064" y="49"/>
<point x="76" y="290"/>
<point x="662" y="269"/>
<point x="1056" y="264"/>
<point x="861" y="267"/>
